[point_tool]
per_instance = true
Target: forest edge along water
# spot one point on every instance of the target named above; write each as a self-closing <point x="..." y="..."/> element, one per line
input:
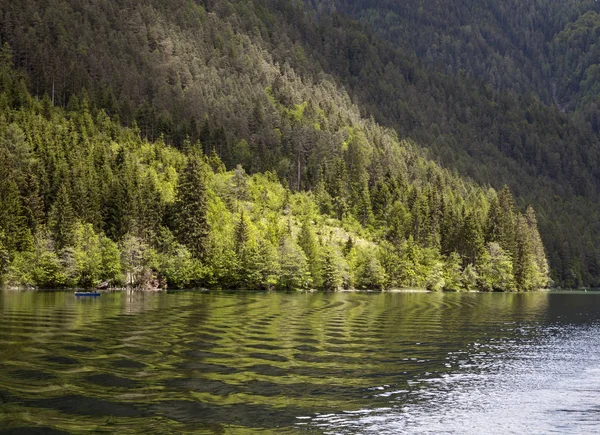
<point x="274" y="362"/>
<point x="375" y="214"/>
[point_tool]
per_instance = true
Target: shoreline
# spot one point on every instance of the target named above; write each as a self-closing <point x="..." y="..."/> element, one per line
<point x="202" y="289"/>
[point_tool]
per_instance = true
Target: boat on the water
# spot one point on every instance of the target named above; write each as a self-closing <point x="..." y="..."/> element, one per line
<point x="87" y="293"/>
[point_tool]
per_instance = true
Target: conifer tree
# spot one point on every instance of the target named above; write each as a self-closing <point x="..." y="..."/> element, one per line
<point x="506" y="234"/>
<point x="471" y="239"/>
<point x="190" y="208"/>
<point x="13" y="225"/>
<point x="248" y="271"/>
<point x="525" y="267"/>
<point x="307" y="240"/>
<point x="542" y="276"/>
<point x="331" y="276"/>
<point x="267" y="265"/>
<point x="62" y="219"/>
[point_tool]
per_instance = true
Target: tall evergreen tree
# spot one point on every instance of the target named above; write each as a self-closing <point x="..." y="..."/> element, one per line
<point x="525" y="267"/>
<point x="62" y="219"/>
<point x="190" y="208"/>
<point x="248" y="271"/>
<point x="542" y="276"/>
<point x="309" y="244"/>
<point x="13" y="224"/>
<point x="331" y="276"/>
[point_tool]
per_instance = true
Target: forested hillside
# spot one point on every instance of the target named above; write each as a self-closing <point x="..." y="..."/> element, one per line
<point x="543" y="47"/>
<point x="277" y="86"/>
<point x="85" y="200"/>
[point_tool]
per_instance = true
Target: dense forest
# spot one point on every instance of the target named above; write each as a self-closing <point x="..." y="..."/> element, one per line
<point x="545" y="47"/>
<point x="85" y="200"/>
<point x="515" y="85"/>
<point x="324" y="98"/>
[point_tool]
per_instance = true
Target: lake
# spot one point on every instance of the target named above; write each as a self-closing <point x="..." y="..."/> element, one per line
<point x="341" y="363"/>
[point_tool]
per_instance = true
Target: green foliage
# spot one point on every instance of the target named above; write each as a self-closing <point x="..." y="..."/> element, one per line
<point x="295" y="272"/>
<point x="469" y="278"/>
<point x="368" y="271"/>
<point x="176" y="263"/>
<point x="485" y="98"/>
<point x="495" y="269"/>
<point x="19" y="271"/>
<point x="47" y="272"/>
<point x="62" y="219"/>
<point x="253" y="271"/>
<point x="96" y="257"/>
<point x="86" y="200"/>
<point x="110" y="262"/>
<point x="190" y="208"/>
<point x="267" y="265"/>
<point x="432" y="270"/>
<point x="331" y="270"/>
<point x="307" y="240"/>
<point x="453" y="276"/>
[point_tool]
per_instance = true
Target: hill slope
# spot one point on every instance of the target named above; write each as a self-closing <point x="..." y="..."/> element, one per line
<point x="270" y="85"/>
<point x="84" y="200"/>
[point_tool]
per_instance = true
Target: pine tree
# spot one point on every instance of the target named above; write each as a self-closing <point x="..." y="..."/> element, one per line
<point x="149" y="210"/>
<point x="62" y="219"/>
<point x="242" y="234"/>
<point x="525" y="267"/>
<point x="13" y="225"/>
<point x="507" y="237"/>
<point x="267" y="265"/>
<point x="542" y="276"/>
<point x="331" y="276"/>
<point x="247" y="271"/>
<point x="471" y="239"/>
<point x="190" y="208"/>
<point x="307" y="240"/>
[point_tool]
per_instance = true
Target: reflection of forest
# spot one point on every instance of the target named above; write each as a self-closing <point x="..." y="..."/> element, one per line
<point x="196" y="358"/>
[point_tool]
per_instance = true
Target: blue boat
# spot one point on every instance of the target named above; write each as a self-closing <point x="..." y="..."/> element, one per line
<point x="87" y="293"/>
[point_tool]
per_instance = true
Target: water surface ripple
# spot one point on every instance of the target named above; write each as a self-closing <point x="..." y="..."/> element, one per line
<point x="344" y="363"/>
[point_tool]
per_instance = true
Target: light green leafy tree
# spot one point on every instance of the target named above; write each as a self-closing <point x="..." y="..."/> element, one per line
<point x="369" y="273"/>
<point x="495" y="269"/>
<point x="469" y="278"/>
<point x="452" y="273"/>
<point x="295" y="273"/>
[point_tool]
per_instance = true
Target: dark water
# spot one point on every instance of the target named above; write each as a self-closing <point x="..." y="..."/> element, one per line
<point x="360" y="363"/>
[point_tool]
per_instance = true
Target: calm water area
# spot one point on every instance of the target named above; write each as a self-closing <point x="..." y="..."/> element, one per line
<point x="342" y="363"/>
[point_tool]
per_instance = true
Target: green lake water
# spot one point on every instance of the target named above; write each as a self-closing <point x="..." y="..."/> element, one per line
<point x="343" y="363"/>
